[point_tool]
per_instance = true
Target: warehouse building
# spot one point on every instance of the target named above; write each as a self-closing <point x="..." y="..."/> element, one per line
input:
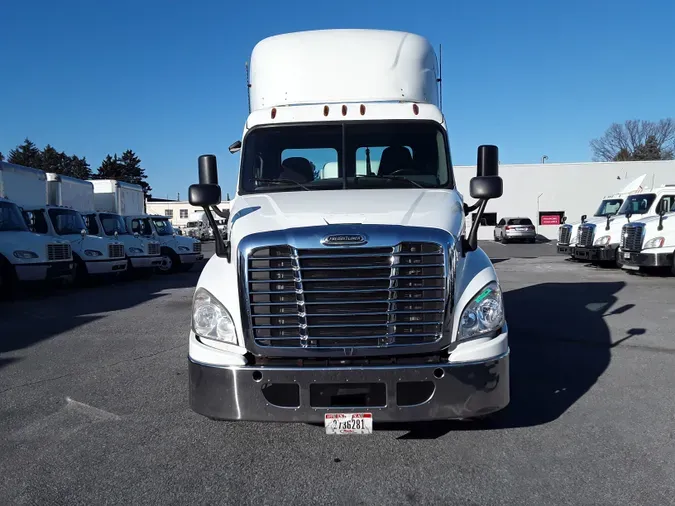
<point x="548" y="191"/>
<point x="178" y="210"/>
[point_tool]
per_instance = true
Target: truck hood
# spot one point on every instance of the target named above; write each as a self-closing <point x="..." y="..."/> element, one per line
<point x="14" y="240"/>
<point x="441" y="209"/>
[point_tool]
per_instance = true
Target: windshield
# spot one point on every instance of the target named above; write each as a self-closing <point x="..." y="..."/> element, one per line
<point x="608" y="207"/>
<point x="66" y="221"/>
<point x="163" y="226"/>
<point x="112" y="223"/>
<point x="637" y="204"/>
<point x="520" y="221"/>
<point x="401" y="154"/>
<point x="11" y="219"/>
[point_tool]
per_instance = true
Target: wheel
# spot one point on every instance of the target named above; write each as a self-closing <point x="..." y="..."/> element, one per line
<point x="8" y="280"/>
<point x="170" y="262"/>
<point x="504" y="240"/>
<point x="79" y="275"/>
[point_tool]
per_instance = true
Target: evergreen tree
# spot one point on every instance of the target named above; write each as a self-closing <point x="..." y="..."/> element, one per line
<point x="79" y="168"/>
<point x="27" y="154"/>
<point x="50" y="160"/>
<point x="133" y="172"/>
<point x="2" y="157"/>
<point x="111" y="168"/>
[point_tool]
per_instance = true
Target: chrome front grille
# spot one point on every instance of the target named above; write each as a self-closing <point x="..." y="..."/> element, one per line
<point x="116" y="250"/>
<point x="632" y="235"/>
<point x="59" y="252"/>
<point x="197" y="247"/>
<point x="338" y="298"/>
<point x="153" y="248"/>
<point x="564" y="234"/>
<point x="586" y="235"/>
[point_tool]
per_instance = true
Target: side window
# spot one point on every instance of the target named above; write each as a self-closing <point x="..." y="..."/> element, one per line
<point x="667" y="201"/>
<point x="36" y="222"/>
<point x="90" y="222"/>
<point x="136" y="226"/>
<point x="305" y="165"/>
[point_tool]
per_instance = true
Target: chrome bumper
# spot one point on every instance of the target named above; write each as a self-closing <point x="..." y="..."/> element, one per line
<point x="440" y="391"/>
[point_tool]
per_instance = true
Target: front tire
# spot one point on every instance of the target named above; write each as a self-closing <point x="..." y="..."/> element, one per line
<point x="8" y="280"/>
<point x="170" y="262"/>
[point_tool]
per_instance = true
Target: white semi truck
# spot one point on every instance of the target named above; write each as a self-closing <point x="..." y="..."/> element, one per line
<point x="59" y="216"/>
<point x="599" y="242"/>
<point x="197" y="226"/>
<point x="178" y="253"/>
<point x="568" y="233"/>
<point x="650" y="242"/>
<point x="24" y="255"/>
<point x="112" y="201"/>
<point x="353" y="297"/>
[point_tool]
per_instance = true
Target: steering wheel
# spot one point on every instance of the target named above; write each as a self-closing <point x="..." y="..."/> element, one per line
<point x="404" y="172"/>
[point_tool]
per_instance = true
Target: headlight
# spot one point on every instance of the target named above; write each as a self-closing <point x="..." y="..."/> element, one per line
<point x="210" y="319"/>
<point x="92" y="253"/>
<point x="135" y="250"/>
<point x="25" y="255"/>
<point x="183" y="248"/>
<point x="657" y="242"/>
<point x="484" y="314"/>
<point x="603" y="241"/>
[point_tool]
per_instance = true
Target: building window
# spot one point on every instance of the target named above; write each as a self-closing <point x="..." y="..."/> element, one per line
<point x="183" y="213"/>
<point x="168" y="213"/>
<point x="489" y="219"/>
<point x="551" y="217"/>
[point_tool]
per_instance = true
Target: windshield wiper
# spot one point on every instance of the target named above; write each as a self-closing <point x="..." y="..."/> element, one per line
<point x="392" y="178"/>
<point x="282" y="181"/>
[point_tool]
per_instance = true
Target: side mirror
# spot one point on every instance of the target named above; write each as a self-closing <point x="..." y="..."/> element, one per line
<point x="564" y="219"/>
<point x="136" y="234"/>
<point x="663" y="209"/>
<point x="234" y="147"/>
<point x="204" y="195"/>
<point x="486" y="187"/>
<point x="488" y="160"/>
<point x="628" y="216"/>
<point x="116" y="234"/>
<point x="83" y="232"/>
<point x="583" y="218"/>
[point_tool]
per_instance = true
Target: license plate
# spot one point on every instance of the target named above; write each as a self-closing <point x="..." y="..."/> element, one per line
<point x="626" y="256"/>
<point x="348" y="423"/>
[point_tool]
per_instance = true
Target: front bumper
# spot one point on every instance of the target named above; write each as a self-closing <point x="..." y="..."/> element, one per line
<point x="191" y="258"/>
<point x="44" y="271"/>
<point x="145" y="262"/>
<point x="636" y="259"/>
<point x="566" y="249"/>
<point x="515" y="236"/>
<point x="106" y="266"/>
<point x="398" y="393"/>
<point x="596" y="253"/>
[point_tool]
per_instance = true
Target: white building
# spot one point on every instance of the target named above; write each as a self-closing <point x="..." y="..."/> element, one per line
<point x="177" y="210"/>
<point x="546" y="192"/>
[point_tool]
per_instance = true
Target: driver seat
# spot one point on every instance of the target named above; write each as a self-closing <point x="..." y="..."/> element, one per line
<point x="394" y="158"/>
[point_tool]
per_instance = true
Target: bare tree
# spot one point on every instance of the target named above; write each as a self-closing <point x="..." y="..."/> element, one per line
<point x="636" y="140"/>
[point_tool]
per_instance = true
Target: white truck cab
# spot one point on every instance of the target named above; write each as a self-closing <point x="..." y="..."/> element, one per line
<point x="600" y="242"/>
<point x="177" y="252"/>
<point x="650" y="242"/>
<point x="568" y="234"/>
<point x="347" y="296"/>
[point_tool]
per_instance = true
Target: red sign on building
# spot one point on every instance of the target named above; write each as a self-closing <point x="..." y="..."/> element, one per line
<point x="550" y="219"/>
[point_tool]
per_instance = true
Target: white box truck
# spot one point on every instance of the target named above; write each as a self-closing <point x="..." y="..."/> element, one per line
<point x="59" y="215"/>
<point x="105" y="218"/>
<point x="353" y="297"/>
<point x="24" y="255"/>
<point x="568" y="233"/>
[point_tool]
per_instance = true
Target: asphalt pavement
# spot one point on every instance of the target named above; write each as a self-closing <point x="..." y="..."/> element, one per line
<point x="93" y="406"/>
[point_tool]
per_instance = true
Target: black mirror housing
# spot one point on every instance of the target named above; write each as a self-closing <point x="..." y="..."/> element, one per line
<point x="564" y="219"/>
<point x="486" y="187"/>
<point x="234" y="147"/>
<point x="487" y="161"/>
<point x="583" y="218"/>
<point x="204" y="195"/>
<point x="663" y="209"/>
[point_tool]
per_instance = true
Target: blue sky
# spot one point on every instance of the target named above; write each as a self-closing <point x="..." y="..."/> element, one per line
<point x="167" y="79"/>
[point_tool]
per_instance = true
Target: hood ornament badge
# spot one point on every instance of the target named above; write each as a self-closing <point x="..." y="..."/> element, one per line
<point x="344" y="240"/>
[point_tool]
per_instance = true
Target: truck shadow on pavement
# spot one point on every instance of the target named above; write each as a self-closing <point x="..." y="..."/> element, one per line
<point x="560" y="346"/>
<point x="46" y="314"/>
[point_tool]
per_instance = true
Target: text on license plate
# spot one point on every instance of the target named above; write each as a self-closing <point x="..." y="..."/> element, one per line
<point x="348" y="423"/>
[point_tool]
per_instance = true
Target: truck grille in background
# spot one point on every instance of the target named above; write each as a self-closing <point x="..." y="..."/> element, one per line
<point x="59" y="252"/>
<point x="153" y="248"/>
<point x="565" y="234"/>
<point x="586" y="233"/>
<point x="197" y="247"/>
<point x="632" y="235"/>
<point x="116" y="250"/>
<point x="347" y="297"/>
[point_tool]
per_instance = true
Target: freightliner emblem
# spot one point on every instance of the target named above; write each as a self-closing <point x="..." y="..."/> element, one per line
<point x="344" y="240"/>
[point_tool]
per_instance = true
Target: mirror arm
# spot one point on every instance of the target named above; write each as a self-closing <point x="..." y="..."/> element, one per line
<point x="468" y="209"/>
<point x="660" y="227"/>
<point x="222" y="247"/>
<point x="470" y="243"/>
<point x="222" y="214"/>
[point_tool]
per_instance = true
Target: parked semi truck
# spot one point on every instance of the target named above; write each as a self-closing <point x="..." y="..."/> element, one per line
<point x="24" y="255"/>
<point x="59" y="215"/>
<point x="178" y="253"/>
<point x="353" y="297"/>
<point x="568" y="233"/>
<point x="650" y="242"/>
<point x="112" y="200"/>
<point x="599" y="242"/>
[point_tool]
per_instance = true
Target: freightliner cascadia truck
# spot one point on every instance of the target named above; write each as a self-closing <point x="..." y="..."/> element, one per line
<point x="357" y="294"/>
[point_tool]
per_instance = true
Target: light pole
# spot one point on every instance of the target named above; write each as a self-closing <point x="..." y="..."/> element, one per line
<point x="544" y="158"/>
<point x="538" y="217"/>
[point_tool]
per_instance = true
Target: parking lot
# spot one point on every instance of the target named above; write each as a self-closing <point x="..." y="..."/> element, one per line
<point x="93" y="405"/>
